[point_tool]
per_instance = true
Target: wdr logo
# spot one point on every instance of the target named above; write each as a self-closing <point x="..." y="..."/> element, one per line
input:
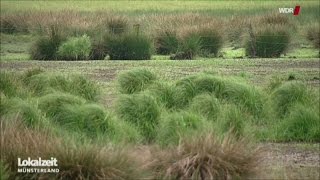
<point x="295" y="11"/>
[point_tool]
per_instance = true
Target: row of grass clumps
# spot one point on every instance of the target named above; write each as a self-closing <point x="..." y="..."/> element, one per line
<point x="164" y="111"/>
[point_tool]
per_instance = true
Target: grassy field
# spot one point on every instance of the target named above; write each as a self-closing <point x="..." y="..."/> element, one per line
<point x="160" y="118"/>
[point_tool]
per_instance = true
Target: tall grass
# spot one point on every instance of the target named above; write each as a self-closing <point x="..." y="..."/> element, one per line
<point x="166" y="42"/>
<point x="135" y="80"/>
<point x="142" y="111"/>
<point x="206" y="105"/>
<point x="75" y="48"/>
<point x="206" y="157"/>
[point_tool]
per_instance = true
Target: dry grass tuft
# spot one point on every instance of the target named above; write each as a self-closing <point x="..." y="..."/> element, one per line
<point x="205" y="157"/>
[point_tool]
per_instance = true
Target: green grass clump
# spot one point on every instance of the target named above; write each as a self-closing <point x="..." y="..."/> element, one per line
<point x="166" y="42"/>
<point x="16" y="107"/>
<point x="98" y="50"/>
<point x="313" y="35"/>
<point x="44" y="83"/>
<point x="135" y="80"/>
<point x="174" y="126"/>
<point x="129" y="46"/>
<point x="268" y="43"/>
<point x="140" y="110"/>
<point x="232" y="120"/>
<point x="301" y="124"/>
<point x="9" y="84"/>
<point x="88" y="118"/>
<point x="117" y="24"/>
<point x="4" y="171"/>
<point x="288" y="94"/>
<point x="211" y="41"/>
<point x="189" y="47"/>
<point x="46" y="47"/>
<point x="206" y="105"/>
<point x="165" y="94"/>
<point x="75" y="48"/>
<point x="53" y="104"/>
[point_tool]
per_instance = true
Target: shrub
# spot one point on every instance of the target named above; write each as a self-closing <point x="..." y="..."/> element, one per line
<point x="205" y="157"/>
<point x="55" y="103"/>
<point x="75" y="160"/>
<point x="75" y="48"/>
<point x="129" y="46"/>
<point x="135" y="80"/>
<point x="117" y="24"/>
<point x="142" y="111"/>
<point x="27" y="112"/>
<point x="211" y="41"/>
<point x="206" y="105"/>
<point x="301" y="124"/>
<point x="289" y="94"/>
<point x="189" y="47"/>
<point x="268" y="43"/>
<point x="166" y="42"/>
<point x="313" y="35"/>
<point x="175" y="125"/>
<point x="46" y="47"/>
<point x="88" y="118"/>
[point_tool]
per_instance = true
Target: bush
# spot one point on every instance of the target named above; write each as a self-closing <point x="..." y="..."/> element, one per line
<point x="189" y="47"/>
<point x="175" y="125"/>
<point x="75" y="48"/>
<point x="268" y="43"/>
<point x="27" y="112"/>
<point x="135" y="80"/>
<point x="55" y="103"/>
<point x="211" y="41"/>
<point x="129" y="46"/>
<point x="88" y="118"/>
<point x="206" y="105"/>
<point x="46" y="47"/>
<point x="141" y="111"/>
<point x="117" y="24"/>
<point x="301" y="124"/>
<point x="313" y="35"/>
<point x="166" y="42"/>
<point x="205" y="157"/>
<point x="289" y="94"/>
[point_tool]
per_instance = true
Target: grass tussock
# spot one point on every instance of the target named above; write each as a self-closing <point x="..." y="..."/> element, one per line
<point x="165" y="94"/>
<point x="288" y="94"/>
<point x="205" y="157"/>
<point x="75" y="48"/>
<point x="313" y="34"/>
<point x="189" y="46"/>
<point x="74" y="161"/>
<point x="206" y="105"/>
<point x="140" y="110"/>
<point x="117" y="24"/>
<point x="269" y="42"/>
<point x="135" y="80"/>
<point x="129" y="46"/>
<point x="166" y="42"/>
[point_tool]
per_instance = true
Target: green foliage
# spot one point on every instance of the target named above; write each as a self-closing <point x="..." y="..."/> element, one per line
<point x="268" y="43"/>
<point x="189" y="47"/>
<point x="8" y="25"/>
<point x="123" y="132"/>
<point x="232" y="120"/>
<point x="164" y="93"/>
<point x="8" y="84"/>
<point x="211" y="41"/>
<point x="44" y="83"/>
<point x="88" y="118"/>
<point x="206" y="105"/>
<point x="140" y="110"/>
<point x="288" y="94"/>
<point x="175" y="125"/>
<point x="55" y="103"/>
<point x="129" y="46"/>
<point x="98" y="50"/>
<point x="301" y="124"/>
<point x="135" y="80"/>
<point x="75" y="48"/>
<point x="16" y="107"/>
<point x="166" y="42"/>
<point x="46" y="47"/>
<point x="313" y="35"/>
